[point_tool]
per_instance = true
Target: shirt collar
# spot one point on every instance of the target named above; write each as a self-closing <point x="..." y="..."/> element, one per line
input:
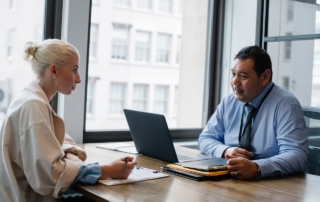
<point x="35" y="88"/>
<point x="258" y="99"/>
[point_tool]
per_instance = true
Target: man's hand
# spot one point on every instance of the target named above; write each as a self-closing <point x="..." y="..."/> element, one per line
<point x="242" y="168"/>
<point x="233" y="152"/>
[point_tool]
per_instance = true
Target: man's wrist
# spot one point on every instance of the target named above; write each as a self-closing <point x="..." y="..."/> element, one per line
<point x="224" y="152"/>
<point x="258" y="170"/>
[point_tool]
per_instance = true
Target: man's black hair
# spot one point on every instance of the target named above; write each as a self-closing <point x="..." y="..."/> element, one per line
<point x="259" y="56"/>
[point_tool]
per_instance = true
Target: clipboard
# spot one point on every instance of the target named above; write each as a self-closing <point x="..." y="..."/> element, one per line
<point x="138" y="174"/>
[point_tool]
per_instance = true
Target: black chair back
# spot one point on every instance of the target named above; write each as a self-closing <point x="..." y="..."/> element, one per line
<point x="312" y="118"/>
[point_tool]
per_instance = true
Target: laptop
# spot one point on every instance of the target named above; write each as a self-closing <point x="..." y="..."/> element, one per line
<point x="151" y="136"/>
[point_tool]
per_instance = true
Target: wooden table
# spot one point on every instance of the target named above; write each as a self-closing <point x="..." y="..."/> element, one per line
<point x="296" y="187"/>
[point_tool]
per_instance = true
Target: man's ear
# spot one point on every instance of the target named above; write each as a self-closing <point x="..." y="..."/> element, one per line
<point x="53" y="70"/>
<point x="265" y="77"/>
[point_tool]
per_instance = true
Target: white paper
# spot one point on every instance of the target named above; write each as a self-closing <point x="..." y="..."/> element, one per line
<point x="138" y="174"/>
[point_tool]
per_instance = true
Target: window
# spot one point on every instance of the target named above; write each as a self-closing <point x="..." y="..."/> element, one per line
<point x="11" y="36"/>
<point x="290" y="10"/>
<point x="93" y="41"/>
<point x="117" y="98"/>
<point x="23" y="24"/>
<point x="142" y="46"/>
<point x="287" y="48"/>
<point x="12" y="4"/>
<point x="161" y="99"/>
<point x="140" y="97"/>
<point x="236" y="37"/>
<point x="175" y="105"/>
<point x="38" y="33"/>
<point x="178" y="49"/>
<point x="146" y="4"/>
<point x="286" y="82"/>
<point x="295" y="42"/>
<point x="165" y="6"/>
<point x="122" y="2"/>
<point x="90" y="95"/>
<point x="291" y="16"/>
<point x="120" y="43"/>
<point x="163" y="47"/>
<point x="142" y="50"/>
<point x="180" y="7"/>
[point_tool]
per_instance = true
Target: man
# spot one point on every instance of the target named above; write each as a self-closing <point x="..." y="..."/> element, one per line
<point x="273" y="141"/>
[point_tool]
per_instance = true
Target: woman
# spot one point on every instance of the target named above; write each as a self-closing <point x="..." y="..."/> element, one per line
<point x="38" y="161"/>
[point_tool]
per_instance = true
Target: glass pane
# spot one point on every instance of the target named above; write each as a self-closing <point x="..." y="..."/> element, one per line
<point x="18" y="26"/>
<point x="137" y="53"/>
<point x="146" y="4"/>
<point x="296" y="17"/>
<point x="122" y="2"/>
<point x="239" y="32"/>
<point x="93" y="41"/>
<point x="165" y="6"/>
<point x="293" y="65"/>
<point x="142" y="45"/>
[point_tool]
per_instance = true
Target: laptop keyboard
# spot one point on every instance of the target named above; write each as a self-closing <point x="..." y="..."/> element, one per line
<point x="183" y="158"/>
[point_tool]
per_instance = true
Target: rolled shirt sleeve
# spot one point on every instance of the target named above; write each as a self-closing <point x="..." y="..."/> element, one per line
<point x="88" y="174"/>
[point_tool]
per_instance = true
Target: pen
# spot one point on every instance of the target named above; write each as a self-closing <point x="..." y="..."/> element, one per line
<point x="126" y="160"/>
<point x="154" y="171"/>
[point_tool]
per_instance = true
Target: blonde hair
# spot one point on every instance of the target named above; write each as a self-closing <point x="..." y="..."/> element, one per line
<point x="51" y="51"/>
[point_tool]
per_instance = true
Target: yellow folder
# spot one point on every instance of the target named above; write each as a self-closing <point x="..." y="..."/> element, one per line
<point x="203" y="173"/>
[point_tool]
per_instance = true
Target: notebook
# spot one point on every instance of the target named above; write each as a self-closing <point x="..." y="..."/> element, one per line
<point x="138" y="174"/>
<point x="151" y="136"/>
<point x="206" y="165"/>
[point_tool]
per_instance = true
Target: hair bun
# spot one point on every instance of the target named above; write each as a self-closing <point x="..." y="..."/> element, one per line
<point x="30" y="50"/>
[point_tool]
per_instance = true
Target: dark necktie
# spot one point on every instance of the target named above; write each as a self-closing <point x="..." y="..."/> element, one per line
<point x="246" y="135"/>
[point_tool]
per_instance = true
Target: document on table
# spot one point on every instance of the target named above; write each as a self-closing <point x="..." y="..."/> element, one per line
<point x="119" y="146"/>
<point x="138" y="174"/>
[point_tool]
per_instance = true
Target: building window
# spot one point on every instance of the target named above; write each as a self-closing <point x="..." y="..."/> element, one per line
<point x="90" y="95"/>
<point x="290" y="11"/>
<point x="180" y="7"/>
<point x="165" y="6"/>
<point x="163" y="51"/>
<point x="175" y="105"/>
<point x="10" y="43"/>
<point x="117" y="98"/>
<point x="161" y="99"/>
<point x="12" y="4"/>
<point x="140" y="97"/>
<point x="286" y="82"/>
<point x="142" y="45"/>
<point x="146" y="4"/>
<point x="93" y="41"/>
<point x="178" y="49"/>
<point x="120" y="42"/>
<point x="287" y="48"/>
<point x="122" y="2"/>
<point x="38" y="33"/>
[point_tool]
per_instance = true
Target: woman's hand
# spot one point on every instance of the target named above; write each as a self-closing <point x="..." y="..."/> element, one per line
<point x="118" y="169"/>
<point x="73" y="158"/>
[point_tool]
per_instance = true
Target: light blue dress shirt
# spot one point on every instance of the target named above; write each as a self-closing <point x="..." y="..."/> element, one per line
<point x="88" y="174"/>
<point x="279" y="139"/>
